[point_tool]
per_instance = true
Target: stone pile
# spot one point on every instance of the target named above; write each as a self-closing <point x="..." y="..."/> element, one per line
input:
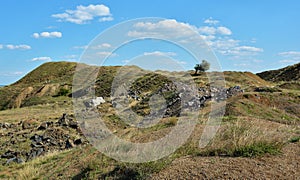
<point x="184" y="97"/>
<point x="49" y="136"/>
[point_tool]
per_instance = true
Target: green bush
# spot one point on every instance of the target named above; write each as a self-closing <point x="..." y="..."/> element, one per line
<point x="294" y="139"/>
<point x="63" y="92"/>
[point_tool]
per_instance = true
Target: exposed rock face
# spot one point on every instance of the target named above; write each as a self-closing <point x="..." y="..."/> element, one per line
<point x="20" y="98"/>
<point x="48" y="89"/>
<point x="174" y="98"/>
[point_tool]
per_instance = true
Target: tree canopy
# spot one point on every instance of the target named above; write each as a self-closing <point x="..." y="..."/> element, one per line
<point x="204" y="66"/>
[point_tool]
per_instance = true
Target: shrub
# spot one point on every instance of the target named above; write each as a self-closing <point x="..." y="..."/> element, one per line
<point x="294" y="139"/>
<point x="63" y="92"/>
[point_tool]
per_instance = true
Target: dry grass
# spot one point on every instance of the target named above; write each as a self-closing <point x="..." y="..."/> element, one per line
<point x="41" y="112"/>
<point x="247" y="134"/>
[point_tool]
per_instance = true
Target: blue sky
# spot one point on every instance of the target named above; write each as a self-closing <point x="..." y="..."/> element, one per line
<point x="245" y="35"/>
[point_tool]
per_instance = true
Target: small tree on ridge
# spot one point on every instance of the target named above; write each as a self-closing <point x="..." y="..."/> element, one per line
<point x="204" y="66"/>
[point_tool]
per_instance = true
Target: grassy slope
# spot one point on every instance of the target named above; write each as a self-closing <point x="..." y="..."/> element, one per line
<point x="253" y="122"/>
<point x="241" y="134"/>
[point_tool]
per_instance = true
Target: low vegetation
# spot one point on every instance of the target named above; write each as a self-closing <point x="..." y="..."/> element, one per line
<point x="260" y="123"/>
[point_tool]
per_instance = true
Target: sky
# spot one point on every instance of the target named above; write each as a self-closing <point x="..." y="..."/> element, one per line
<point x="244" y="35"/>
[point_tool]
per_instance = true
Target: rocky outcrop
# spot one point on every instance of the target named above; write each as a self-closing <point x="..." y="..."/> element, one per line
<point x="183" y="97"/>
<point x="21" y="97"/>
<point x="48" y="89"/>
<point x="49" y="136"/>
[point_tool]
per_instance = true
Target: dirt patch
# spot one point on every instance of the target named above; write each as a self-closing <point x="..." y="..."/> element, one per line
<point x="284" y="166"/>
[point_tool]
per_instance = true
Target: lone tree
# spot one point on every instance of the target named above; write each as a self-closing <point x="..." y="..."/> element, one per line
<point x="204" y="66"/>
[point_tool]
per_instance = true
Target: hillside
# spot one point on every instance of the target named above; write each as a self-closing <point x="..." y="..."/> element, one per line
<point x="40" y="138"/>
<point x="289" y="73"/>
<point x="49" y="83"/>
<point x="45" y="83"/>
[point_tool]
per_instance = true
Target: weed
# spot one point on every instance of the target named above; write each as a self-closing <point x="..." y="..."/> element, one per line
<point x="63" y="92"/>
<point x="294" y="139"/>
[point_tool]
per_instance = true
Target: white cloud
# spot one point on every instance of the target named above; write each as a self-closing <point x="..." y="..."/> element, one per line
<point x="84" y="14"/>
<point x="207" y="30"/>
<point x="125" y="61"/>
<point x="224" y="30"/>
<point x="36" y="35"/>
<point x="219" y="38"/>
<point x="243" y="51"/>
<point x="181" y="62"/>
<point x="159" y="53"/>
<point x="102" y="46"/>
<point x="53" y="34"/>
<point x="165" y="28"/>
<point x="73" y="56"/>
<point x="106" y="54"/>
<point x="290" y="53"/>
<point x="11" y="74"/>
<point x="242" y="65"/>
<point x="223" y="44"/>
<point x="292" y="61"/>
<point x="1" y="46"/>
<point x="44" y="58"/>
<point x="290" y="57"/>
<point x="104" y="19"/>
<point x="51" y="27"/>
<point x="248" y="48"/>
<point x="212" y="30"/>
<point x="211" y="21"/>
<point x="17" y="73"/>
<point x="18" y="47"/>
<point x="80" y="47"/>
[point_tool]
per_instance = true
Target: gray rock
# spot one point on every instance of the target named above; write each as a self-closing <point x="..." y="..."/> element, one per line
<point x="43" y="126"/>
<point x="63" y="121"/>
<point x="73" y="124"/>
<point x="69" y="144"/>
<point x="9" y="154"/>
<point x="14" y="159"/>
<point x="78" y="142"/>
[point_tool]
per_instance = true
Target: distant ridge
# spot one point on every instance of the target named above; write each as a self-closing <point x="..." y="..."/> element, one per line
<point x="44" y="84"/>
<point x="289" y="73"/>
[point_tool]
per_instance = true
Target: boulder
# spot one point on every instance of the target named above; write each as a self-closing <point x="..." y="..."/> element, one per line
<point x="69" y="144"/>
<point x="14" y="159"/>
<point x="43" y="126"/>
<point x="9" y="154"/>
<point x="29" y="124"/>
<point x="94" y="102"/>
<point x="35" y="152"/>
<point x="78" y="142"/>
<point x="5" y="125"/>
<point x="73" y="124"/>
<point x="63" y="121"/>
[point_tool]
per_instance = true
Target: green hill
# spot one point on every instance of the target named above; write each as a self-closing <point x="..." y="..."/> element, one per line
<point x="48" y="82"/>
